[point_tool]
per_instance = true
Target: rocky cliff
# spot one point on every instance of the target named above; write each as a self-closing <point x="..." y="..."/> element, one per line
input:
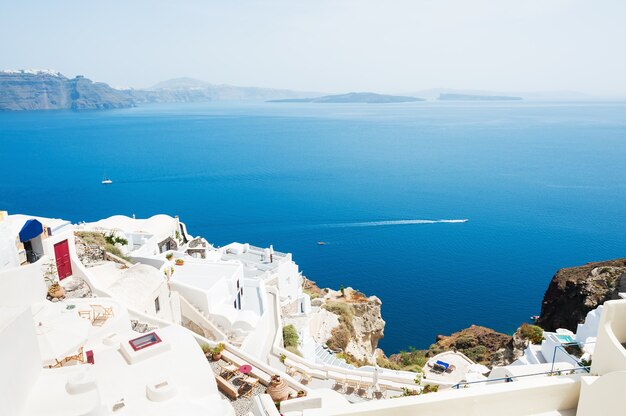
<point x="575" y="291"/>
<point x="352" y="323"/>
<point x="47" y="90"/>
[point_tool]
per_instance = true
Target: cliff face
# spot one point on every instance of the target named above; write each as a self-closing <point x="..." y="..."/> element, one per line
<point x="46" y="90"/>
<point x="348" y="321"/>
<point x="369" y="328"/>
<point x="575" y="291"/>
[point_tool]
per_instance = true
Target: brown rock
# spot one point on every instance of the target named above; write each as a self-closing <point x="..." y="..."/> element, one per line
<point x="575" y="291"/>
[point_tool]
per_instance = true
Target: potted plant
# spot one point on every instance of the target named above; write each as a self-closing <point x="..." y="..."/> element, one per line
<point x="169" y="255"/>
<point x="301" y="393"/>
<point x="216" y="352"/>
<point x="50" y="274"/>
<point x="179" y="262"/>
<point x="206" y="349"/>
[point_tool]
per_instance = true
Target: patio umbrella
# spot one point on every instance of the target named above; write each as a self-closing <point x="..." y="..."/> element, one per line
<point x="478" y="368"/>
<point x="375" y="378"/>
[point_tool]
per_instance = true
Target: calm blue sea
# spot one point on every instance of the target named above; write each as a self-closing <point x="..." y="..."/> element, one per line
<point x="543" y="186"/>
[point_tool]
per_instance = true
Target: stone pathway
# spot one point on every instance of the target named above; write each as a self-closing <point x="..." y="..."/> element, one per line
<point x="75" y="287"/>
<point x="141" y="327"/>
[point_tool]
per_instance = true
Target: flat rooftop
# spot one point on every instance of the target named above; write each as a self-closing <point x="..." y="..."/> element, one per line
<point x="204" y="275"/>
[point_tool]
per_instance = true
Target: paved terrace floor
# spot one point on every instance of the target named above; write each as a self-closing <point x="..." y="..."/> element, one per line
<point x="241" y="405"/>
<point x="460" y="363"/>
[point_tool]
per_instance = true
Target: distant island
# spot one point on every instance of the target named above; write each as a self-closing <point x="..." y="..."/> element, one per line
<point x="474" y="97"/>
<point x="353" y="97"/>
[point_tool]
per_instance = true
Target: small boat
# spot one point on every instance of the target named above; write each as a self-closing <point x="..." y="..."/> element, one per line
<point x="106" y="181"/>
<point x="320" y="243"/>
<point x="534" y="317"/>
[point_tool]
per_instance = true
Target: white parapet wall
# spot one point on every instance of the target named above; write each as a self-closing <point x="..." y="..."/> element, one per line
<point x="602" y="395"/>
<point x="609" y="354"/>
<point x="522" y="398"/>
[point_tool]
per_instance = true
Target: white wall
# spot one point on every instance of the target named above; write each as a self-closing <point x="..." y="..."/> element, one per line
<point x="20" y="362"/>
<point x="609" y="355"/>
<point x="259" y="342"/>
<point x="8" y="250"/>
<point x="602" y="395"/>
<point x="589" y="328"/>
<point x="289" y="280"/>
<point x="23" y="285"/>
<point x="521" y="398"/>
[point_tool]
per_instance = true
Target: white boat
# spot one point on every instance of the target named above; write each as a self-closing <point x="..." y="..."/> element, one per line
<point x="106" y="181"/>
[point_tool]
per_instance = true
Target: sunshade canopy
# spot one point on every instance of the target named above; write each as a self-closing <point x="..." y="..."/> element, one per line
<point x="31" y="229"/>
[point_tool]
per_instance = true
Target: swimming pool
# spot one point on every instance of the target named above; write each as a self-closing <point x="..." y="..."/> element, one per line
<point x="566" y="339"/>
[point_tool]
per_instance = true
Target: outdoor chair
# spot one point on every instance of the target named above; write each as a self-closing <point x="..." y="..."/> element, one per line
<point x="247" y="388"/>
<point x="80" y="357"/>
<point x="85" y="314"/>
<point x="380" y="394"/>
<point x="57" y="364"/>
<point x="100" y="314"/>
<point x="339" y="385"/>
<point x="291" y="371"/>
<point x="361" y="391"/>
<point x="451" y="368"/>
<point x="351" y="386"/>
<point x="228" y="371"/>
<point x="305" y="378"/>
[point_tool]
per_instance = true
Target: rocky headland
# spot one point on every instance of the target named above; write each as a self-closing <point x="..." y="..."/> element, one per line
<point x="348" y="322"/>
<point x="575" y="291"/>
<point x="48" y="90"/>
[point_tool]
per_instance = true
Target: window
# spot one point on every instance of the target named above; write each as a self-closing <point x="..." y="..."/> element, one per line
<point x="237" y="284"/>
<point x="157" y="305"/>
<point x="144" y="341"/>
<point x="235" y="304"/>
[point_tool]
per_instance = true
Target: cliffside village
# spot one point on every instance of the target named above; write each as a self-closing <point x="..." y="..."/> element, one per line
<point x="128" y="316"/>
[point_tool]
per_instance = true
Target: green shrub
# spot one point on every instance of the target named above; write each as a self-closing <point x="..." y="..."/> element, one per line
<point x="290" y="336"/>
<point x="339" y="338"/>
<point x="533" y="333"/>
<point x="386" y="363"/>
<point x="477" y="353"/>
<point x="465" y="341"/>
<point x="430" y="388"/>
<point x="112" y="239"/>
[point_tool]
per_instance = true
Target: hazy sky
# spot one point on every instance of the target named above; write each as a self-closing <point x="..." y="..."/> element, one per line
<point x="326" y="45"/>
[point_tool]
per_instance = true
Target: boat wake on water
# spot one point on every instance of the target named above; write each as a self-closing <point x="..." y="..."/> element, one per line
<point x="394" y="222"/>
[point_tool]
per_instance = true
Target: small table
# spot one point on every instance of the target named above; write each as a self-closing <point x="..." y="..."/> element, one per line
<point x="245" y="369"/>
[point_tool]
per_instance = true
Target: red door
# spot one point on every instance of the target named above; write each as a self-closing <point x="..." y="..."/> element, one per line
<point x="62" y="254"/>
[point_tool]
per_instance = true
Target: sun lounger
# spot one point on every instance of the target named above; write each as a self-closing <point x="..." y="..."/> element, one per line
<point x="443" y="364"/>
<point x="227" y="388"/>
